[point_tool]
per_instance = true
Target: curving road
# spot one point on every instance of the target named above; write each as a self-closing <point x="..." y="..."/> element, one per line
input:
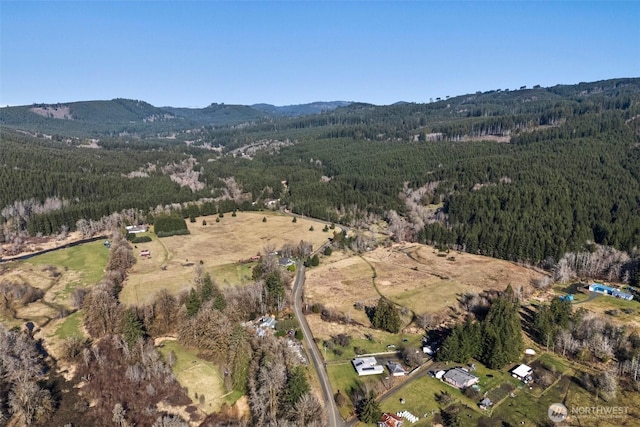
<point x="334" y="418"/>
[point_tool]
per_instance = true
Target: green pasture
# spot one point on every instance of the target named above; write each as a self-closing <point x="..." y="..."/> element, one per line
<point x="232" y="274"/>
<point x="419" y="397"/>
<point x="200" y="377"/>
<point x="70" y="326"/>
<point x="379" y="344"/>
<point x="88" y="259"/>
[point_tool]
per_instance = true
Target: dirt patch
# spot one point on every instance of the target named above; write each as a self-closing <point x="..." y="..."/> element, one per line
<point x="241" y="406"/>
<point x="53" y="111"/>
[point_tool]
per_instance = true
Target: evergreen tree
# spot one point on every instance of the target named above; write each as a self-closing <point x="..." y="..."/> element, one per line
<point x="369" y="409"/>
<point x="502" y="334"/>
<point x="132" y="328"/>
<point x="274" y="289"/>
<point x="193" y="303"/>
<point x="386" y="316"/>
<point x="295" y="387"/>
<point x="206" y="292"/>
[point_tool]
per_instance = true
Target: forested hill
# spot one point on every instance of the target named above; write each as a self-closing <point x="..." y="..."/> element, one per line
<point x="120" y="117"/>
<point x="525" y="174"/>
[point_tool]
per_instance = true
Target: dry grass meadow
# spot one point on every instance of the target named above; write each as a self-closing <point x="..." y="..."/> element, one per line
<point x="414" y="276"/>
<point x="202" y="378"/>
<point x="220" y="246"/>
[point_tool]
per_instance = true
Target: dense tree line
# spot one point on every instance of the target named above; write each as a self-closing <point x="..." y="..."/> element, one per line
<point x="496" y="341"/>
<point x="568" y="176"/>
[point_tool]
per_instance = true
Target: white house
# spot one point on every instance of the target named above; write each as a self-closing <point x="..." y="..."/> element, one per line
<point x="367" y="366"/>
<point x="134" y="229"/>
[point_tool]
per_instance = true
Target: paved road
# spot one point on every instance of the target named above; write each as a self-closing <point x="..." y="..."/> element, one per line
<point x="334" y="418"/>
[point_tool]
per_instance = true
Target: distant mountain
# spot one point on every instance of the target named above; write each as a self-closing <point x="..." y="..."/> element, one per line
<point x="127" y="116"/>
<point x="219" y="114"/>
<point x="300" y="109"/>
<point x="87" y="118"/>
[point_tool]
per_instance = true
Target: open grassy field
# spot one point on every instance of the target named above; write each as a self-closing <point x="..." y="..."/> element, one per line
<point x="419" y="397"/>
<point x="616" y="310"/>
<point x="202" y="379"/>
<point x="220" y="246"/>
<point x="359" y="337"/>
<point x="57" y="273"/>
<point x="413" y="276"/>
<point x="88" y="260"/>
<point x="70" y="326"/>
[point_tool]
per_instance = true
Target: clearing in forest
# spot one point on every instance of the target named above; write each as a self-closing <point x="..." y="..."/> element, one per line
<point x="202" y="379"/>
<point x="220" y="247"/>
<point x="415" y="276"/>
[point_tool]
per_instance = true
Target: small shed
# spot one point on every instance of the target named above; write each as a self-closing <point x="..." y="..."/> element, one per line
<point x="523" y="373"/>
<point x="485" y="403"/>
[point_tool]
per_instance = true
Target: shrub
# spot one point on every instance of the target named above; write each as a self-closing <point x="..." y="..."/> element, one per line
<point x="295" y="219"/>
<point x="204" y="222"/>
<point x="169" y="224"/>
<point x="342" y="340"/>
<point x="328" y="251"/>
<point x="311" y="228"/>
<point x="172" y="233"/>
<point x="264" y="219"/>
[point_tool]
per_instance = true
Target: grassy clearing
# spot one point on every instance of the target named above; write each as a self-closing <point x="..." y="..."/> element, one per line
<point x="413" y="276"/>
<point x="378" y="344"/>
<point x="200" y="377"/>
<point x="219" y="245"/>
<point x="628" y="312"/>
<point x="419" y="396"/>
<point x="344" y="377"/>
<point x="233" y="274"/>
<point x="88" y="259"/>
<point x="70" y="326"/>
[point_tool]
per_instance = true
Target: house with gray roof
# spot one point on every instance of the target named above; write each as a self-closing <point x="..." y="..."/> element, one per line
<point x="460" y="378"/>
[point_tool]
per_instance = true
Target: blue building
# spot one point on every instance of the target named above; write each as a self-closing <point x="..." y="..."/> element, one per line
<point x="608" y="290"/>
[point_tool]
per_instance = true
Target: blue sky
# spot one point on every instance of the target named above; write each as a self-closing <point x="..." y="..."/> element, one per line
<point x="191" y="54"/>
